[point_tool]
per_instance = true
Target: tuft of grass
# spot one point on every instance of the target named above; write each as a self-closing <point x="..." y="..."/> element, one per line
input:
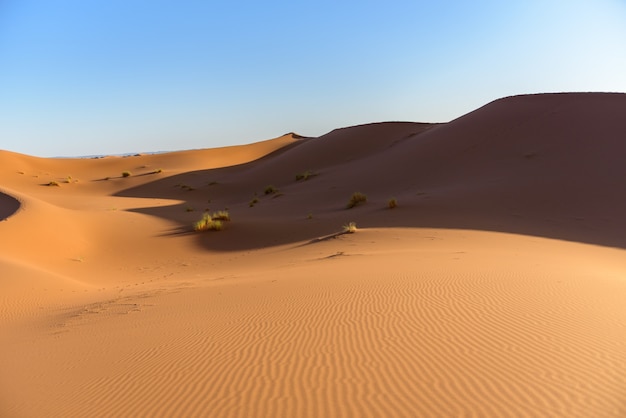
<point x="189" y="209"/>
<point x="357" y="198"/>
<point x="221" y="215"/>
<point x="305" y="175"/>
<point x="54" y="183"/>
<point x="68" y="179"/>
<point x="392" y="203"/>
<point x="253" y="202"/>
<point x="157" y="171"/>
<point x="270" y="190"/>
<point x="349" y="228"/>
<point x="126" y="173"/>
<point x="207" y="223"/>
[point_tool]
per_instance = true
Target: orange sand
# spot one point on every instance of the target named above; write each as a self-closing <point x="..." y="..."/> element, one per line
<point x="495" y="288"/>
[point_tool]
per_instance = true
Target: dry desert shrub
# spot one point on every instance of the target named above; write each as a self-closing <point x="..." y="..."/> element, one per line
<point x="349" y="228"/>
<point x="126" y="174"/>
<point x="357" y="198"/>
<point x="221" y="215"/>
<point x="392" y="203"/>
<point x="207" y="223"/>
<point x="54" y="183"/>
<point x="270" y="189"/>
<point x="305" y="175"/>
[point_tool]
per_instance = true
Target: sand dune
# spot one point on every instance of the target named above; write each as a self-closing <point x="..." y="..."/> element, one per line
<point x="494" y="288"/>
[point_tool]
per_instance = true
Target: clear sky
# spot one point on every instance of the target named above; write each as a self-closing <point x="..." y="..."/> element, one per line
<point x="81" y="77"/>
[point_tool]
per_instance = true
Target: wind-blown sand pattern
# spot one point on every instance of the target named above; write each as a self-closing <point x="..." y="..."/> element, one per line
<point x="495" y="288"/>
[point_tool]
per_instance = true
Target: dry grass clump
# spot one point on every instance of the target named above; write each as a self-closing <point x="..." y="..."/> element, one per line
<point x="221" y="215"/>
<point x="349" y="228"/>
<point x="357" y="198"/>
<point x="209" y="223"/>
<point x="305" y="175"/>
<point x="270" y="190"/>
<point x="126" y="173"/>
<point x="253" y="202"/>
<point x="54" y="183"/>
<point x="392" y="203"/>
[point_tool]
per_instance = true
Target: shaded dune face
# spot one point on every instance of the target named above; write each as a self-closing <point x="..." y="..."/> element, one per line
<point x="8" y="206"/>
<point x="549" y="165"/>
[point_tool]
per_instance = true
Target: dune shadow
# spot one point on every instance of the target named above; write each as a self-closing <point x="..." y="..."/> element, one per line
<point x="514" y="166"/>
<point x="8" y="206"/>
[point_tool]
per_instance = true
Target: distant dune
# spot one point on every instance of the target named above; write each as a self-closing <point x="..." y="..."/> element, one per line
<point x="494" y="287"/>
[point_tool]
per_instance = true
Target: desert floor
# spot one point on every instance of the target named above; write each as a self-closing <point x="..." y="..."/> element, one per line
<point x="495" y="288"/>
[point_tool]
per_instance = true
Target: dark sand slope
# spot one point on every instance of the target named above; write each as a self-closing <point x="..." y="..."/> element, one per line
<point x="549" y="165"/>
<point x="8" y="206"/>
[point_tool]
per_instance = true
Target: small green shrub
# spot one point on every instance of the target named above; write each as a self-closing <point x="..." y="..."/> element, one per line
<point x="253" y="202"/>
<point x="357" y="198"/>
<point x="207" y="223"/>
<point x="392" y="203"/>
<point x="305" y="175"/>
<point x="349" y="228"/>
<point x="126" y="174"/>
<point x="221" y="215"/>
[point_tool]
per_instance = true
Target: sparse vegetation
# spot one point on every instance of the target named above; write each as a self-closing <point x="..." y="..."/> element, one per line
<point x="68" y="179"/>
<point x="392" y="203"/>
<point x="309" y="216"/>
<point x="349" y="228"/>
<point x="357" y="198"/>
<point x="253" y="202"/>
<point x="221" y="215"/>
<point x="54" y="183"/>
<point x="305" y="175"/>
<point x="189" y="209"/>
<point x="270" y="190"/>
<point x="126" y="174"/>
<point x="157" y="171"/>
<point x="207" y="223"/>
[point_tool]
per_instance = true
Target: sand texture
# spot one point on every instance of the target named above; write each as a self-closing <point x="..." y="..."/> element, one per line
<point x="495" y="288"/>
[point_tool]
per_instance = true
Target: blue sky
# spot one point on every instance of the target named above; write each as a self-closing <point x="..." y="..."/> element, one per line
<point x="81" y="77"/>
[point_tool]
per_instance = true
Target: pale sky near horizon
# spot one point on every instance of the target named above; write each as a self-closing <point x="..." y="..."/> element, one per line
<point x="85" y="77"/>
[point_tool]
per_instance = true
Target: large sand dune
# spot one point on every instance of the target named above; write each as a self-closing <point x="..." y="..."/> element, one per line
<point x="494" y="288"/>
